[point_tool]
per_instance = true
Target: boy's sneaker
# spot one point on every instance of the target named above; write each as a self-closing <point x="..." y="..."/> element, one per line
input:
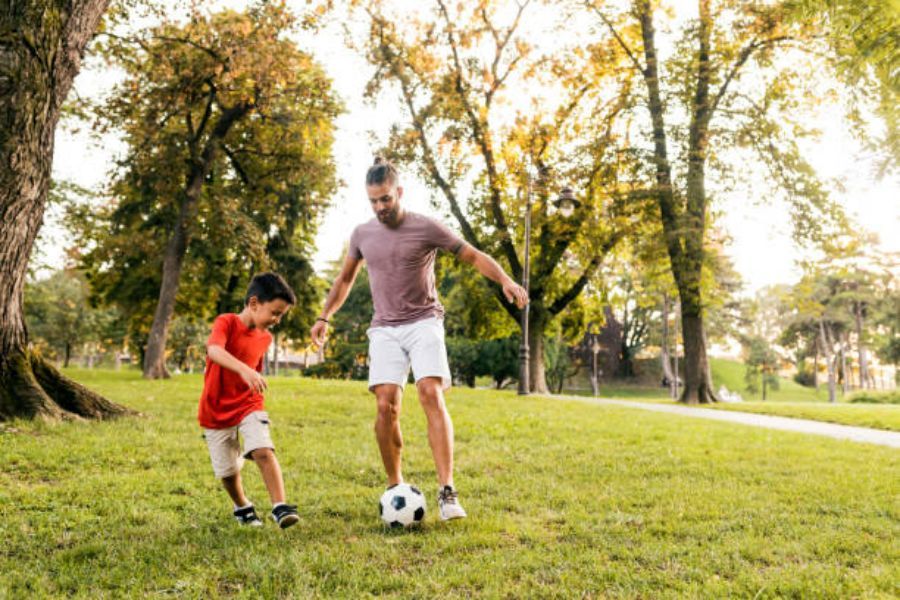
<point x="285" y="515"/>
<point x="448" y="504"/>
<point x="247" y="516"/>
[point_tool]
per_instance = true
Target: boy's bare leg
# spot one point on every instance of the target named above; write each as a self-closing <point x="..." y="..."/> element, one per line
<point x="235" y="490"/>
<point x="387" y="429"/>
<point x="440" y="427"/>
<point x="271" y="473"/>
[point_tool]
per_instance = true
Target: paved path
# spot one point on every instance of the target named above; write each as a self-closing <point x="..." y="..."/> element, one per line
<point x="841" y="432"/>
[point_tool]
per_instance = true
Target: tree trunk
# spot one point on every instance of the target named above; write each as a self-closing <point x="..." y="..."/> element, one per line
<point x="697" y="379"/>
<point x="865" y="379"/>
<point x="536" y="369"/>
<point x="41" y="45"/>
<point x="665" y="359"/>
<point x="845" y="374"/>
<point x="816" y="368"/>
<point x="828" y="351"/>
<point x="275" y="353"/>
<point x="67" y="354"/>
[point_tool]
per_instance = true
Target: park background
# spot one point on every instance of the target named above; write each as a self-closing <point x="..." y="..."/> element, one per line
<point x="733" y="233"/>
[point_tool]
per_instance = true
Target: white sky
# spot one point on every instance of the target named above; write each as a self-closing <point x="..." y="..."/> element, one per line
<point x="762" y="250"/>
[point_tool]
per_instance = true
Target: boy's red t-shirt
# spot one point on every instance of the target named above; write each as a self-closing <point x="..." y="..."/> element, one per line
<point x="226" y="399"/>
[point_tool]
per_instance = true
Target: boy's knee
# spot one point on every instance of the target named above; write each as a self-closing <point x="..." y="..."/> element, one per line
<point x="261" y="455"/>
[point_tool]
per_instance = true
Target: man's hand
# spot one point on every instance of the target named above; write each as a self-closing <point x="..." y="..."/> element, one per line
<point x="319" y="333"/>
<point x="515" y="292"/>
<point x="254" y="379"/>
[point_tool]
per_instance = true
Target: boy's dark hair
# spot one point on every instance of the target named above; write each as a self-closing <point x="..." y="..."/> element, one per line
<point x="270" y="286"/>
<point x="382" y="172"/>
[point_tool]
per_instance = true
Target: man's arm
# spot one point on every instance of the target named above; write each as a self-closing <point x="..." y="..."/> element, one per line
<point x="488" y="267"/>
<point x="336" y="297"/>
<point x="221" y="356"/>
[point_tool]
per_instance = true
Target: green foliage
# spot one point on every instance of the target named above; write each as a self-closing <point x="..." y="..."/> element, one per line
<point x="761" y="364"/>
<point x="873" y="397"/>
<point x="608" y="501"/>
<point x="472" y="358"/>
<point x="61" y="322"/>
<point x="187" y="344"/>
<point x="230" y="93"/>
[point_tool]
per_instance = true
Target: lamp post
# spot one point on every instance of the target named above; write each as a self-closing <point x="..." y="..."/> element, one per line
<point x="566" y="204"/>
<point x="595" y="375"/>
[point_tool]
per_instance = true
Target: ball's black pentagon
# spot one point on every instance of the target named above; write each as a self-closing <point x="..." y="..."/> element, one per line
<point x="396" y="524"/>
<point x="415" y="490"/>
<point x="398" y="502"/>
<point x="419" y="514"/>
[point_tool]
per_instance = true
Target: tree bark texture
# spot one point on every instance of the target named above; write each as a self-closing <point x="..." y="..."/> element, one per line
<point x="683" y="226"/>
<point x="41" y="46"/>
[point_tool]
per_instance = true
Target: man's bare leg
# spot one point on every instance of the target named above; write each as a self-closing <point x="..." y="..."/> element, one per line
<point x="440" y="427"/>
<point x="387" y="429"/>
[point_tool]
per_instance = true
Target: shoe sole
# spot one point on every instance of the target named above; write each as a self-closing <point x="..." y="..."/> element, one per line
<point x="288" y="520"/>
<point x="452" y="517"/>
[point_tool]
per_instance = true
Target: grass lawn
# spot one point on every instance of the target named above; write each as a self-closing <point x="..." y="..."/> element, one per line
<point x="731" y="374"/>
<point x="877" y="416"/>
<point x="565" y="500"/>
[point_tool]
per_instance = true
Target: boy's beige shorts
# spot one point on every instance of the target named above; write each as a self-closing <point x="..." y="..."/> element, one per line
<point x="225" y="450"/>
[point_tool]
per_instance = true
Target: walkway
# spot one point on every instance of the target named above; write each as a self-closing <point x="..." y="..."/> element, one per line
<point x="841" y="432"/>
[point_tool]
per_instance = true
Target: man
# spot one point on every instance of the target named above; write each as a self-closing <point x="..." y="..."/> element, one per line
<point x="407" y="327"/>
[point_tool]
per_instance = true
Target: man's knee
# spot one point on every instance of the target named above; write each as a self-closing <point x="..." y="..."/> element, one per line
<point x="388" y="401"/>
<point x="431" y="393"/>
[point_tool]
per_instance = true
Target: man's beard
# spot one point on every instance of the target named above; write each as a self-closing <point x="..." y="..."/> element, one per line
<point x="388" y="217"/>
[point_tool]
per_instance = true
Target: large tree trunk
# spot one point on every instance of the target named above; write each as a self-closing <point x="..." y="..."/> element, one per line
<point x="537" y="375"/>
<point x="697" y="379"/>
<point x="41" y="45"/>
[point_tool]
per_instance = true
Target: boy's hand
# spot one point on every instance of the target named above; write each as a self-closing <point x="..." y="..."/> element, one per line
<point x="254" y="379"/>
<point x="319" y="333"/>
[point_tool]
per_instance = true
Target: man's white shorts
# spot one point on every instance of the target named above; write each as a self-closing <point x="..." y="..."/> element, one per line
<point x="224" y="449"/>
<point x="392" y="350"/>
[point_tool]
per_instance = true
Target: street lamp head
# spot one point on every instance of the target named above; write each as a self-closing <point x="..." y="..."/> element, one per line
<point x="567" y="203"/>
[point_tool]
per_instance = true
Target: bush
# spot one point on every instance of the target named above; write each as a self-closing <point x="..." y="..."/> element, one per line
<point x="872" y="397"/>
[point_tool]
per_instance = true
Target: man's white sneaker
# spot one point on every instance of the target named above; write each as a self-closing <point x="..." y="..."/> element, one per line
<point x="448" y="504"/>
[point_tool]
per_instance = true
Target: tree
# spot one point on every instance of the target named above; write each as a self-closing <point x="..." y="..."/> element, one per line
<point x="692" y="105"/>
<point x="229" y="129"/>
<point x="761" y="364"/>
<point x="41" y="46"/>
<point x="451" y="67"/>
<point x="59" y="315"/>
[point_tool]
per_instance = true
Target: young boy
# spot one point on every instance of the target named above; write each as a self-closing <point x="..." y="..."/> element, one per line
<point x="232" y="400"/>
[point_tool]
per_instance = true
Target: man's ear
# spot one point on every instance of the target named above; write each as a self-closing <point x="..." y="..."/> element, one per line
<point x="399" y="192"/>
<point x="253" y="302"/>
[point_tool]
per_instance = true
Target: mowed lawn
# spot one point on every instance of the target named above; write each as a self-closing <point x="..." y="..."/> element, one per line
<point x="565" y="500"/>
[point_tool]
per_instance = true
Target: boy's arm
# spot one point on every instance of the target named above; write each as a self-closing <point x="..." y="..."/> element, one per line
<point x="221" y="356"/>
<point x="488" y="267"/>
<point x="336" y="297"/>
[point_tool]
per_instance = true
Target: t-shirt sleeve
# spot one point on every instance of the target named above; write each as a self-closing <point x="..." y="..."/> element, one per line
<point x="354" y="250"/>
<point x="219" y="335"/>
<point x="443" y="237"/>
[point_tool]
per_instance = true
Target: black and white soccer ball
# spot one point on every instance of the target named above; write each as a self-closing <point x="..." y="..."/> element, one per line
<point x="402" y="505"/>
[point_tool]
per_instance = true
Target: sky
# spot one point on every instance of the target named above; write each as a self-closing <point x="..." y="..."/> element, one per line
<point x="760" y="247"/>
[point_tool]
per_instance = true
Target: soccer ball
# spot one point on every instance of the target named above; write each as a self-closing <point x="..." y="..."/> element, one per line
<point x="402" y="505"/>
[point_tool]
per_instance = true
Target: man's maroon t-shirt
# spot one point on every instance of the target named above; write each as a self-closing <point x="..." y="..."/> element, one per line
<point x="401" y="266"/>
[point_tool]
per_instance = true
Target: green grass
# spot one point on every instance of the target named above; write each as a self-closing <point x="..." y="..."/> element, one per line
<point x="731" y="374"/>
<point x="565" y="500"/>
<point x="879" y="416"/>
